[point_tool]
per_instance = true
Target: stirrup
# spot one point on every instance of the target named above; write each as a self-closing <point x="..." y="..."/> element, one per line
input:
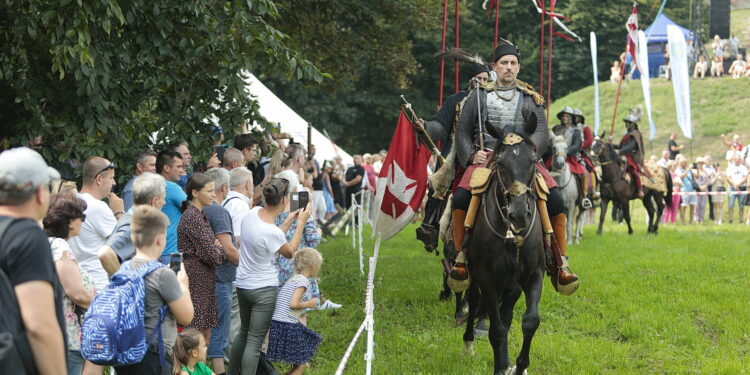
<point x="586" y="203"/>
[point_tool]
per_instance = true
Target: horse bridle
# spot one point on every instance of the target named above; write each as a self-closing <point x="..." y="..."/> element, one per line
<point x="565" y="164"/>
<point x="517" y="188"/>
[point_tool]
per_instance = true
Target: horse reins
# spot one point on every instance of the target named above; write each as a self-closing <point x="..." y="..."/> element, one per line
<point x="501" y="208"/>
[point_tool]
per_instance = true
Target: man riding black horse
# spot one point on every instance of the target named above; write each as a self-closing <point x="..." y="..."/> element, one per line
<point x="505" y="102"/>
<point x="441" y="129"/>
<point x="631" y="145"/>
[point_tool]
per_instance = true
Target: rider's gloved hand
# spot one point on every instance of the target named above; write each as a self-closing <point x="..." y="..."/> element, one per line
<point x="480" y="157"/>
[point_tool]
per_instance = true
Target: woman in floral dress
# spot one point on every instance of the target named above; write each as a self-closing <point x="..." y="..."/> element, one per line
<point x="201" y="253"/>
<point x="63" y="222"/>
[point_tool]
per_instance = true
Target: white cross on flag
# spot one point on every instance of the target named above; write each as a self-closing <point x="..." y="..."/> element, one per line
<point x="402" y="181"/>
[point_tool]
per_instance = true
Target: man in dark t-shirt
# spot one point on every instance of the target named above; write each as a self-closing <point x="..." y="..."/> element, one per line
<point x="226" y="273"/>
<point x="673" y="147"/>
<point x="353" y="180"/>
<point x="26" y="258"/>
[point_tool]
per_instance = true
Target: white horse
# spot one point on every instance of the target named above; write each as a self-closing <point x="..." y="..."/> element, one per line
<point x="566" y="182"/>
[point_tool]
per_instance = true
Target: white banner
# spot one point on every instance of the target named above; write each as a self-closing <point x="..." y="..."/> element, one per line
<point x="680" y="79"/>
<point x="596" y="83"/>
<point x="645" y="81"/>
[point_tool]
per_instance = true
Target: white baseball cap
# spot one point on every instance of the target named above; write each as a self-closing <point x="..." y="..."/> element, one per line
<point x="22" y="168"/>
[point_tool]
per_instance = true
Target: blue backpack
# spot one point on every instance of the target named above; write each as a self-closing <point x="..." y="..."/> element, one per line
<point x="113" y="331"/>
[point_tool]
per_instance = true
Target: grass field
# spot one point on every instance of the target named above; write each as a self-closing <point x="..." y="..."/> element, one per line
<point x="718" y="106"/>
<point x="675" y="303"/>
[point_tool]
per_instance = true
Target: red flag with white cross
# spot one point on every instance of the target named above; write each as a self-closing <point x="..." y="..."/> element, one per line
<point x="402" y="181"/>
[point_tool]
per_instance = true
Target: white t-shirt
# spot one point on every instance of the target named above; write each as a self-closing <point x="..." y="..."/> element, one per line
<point x="258" y="246"/>
<point x="100" y="223"/>
<point x="238" y="206"/>
<point x="736" y="174"/>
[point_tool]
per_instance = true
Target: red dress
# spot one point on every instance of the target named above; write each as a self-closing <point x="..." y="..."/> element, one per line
<point x="195" y="240"/>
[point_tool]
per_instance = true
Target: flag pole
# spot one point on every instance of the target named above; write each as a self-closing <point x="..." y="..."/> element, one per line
<point x="619" y="86"/>
<point x="423" y="133"/>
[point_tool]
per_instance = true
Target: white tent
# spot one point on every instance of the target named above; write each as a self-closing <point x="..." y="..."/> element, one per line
<point x="275" y="110"/>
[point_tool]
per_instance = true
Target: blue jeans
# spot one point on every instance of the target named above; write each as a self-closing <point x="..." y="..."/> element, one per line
<point x="75" y="362"/>
<point x="220" y="333"/>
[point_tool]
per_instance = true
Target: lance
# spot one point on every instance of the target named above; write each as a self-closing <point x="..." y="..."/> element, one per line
<point x="413" y="118"/>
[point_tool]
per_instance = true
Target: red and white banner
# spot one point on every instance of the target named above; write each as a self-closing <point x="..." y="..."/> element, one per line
<point x="632" y="27"/>
<point x="402" y="181"/>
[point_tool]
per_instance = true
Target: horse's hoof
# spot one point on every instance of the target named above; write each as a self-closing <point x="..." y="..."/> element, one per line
<point x="512" y="371"/>
<point x="468" y="347"/>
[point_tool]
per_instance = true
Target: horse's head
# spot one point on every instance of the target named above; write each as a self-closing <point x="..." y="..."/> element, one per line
<point x="559" y="152"/>
<point x="515" y="159"/>
<point x="608" y="154"/>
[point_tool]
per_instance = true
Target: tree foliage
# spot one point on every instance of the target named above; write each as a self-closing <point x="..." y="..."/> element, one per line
<point x="109" y="77"/>
<point x="379" y="50"/>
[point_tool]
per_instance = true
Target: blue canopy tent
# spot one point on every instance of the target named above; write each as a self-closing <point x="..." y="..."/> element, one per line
<point x="656" y="36"/>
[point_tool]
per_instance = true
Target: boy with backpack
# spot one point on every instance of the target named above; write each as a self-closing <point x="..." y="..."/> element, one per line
<point x="132" y="324"/>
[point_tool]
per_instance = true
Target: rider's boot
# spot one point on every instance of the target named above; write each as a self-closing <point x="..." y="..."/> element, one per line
<point x="594" y="193"/>
<point x="428" y="232"/>
<point x="459" y="271"/>
<point x="586" y="201"/>
<point x="638" y="183"/>
<point x="567" y="280"/>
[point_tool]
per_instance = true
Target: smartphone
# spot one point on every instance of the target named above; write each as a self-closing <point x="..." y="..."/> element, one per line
<point x="299" y="200"/>
<point x="175" y="262"/>
<point x="304" y="198"/>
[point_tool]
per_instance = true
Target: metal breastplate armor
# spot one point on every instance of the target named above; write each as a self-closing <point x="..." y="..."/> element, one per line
<point x="503" y="109"/>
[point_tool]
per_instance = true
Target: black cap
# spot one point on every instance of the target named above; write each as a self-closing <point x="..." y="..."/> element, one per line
<point x="476" y="69"/>
<point x="506" y="49"/>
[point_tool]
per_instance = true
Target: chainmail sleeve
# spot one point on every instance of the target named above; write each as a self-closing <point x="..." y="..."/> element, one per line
<point x="436" y="130"/>
<point x="535" y="118"/>
<point x="467" y="122"/>
<point x="575" y="143"/>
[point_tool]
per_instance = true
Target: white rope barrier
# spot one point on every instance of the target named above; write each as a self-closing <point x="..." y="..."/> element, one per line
<point x="345" y="359"/>
<point x="369" y="321"/>
<point x="370" y="308"/>
<point x="710" y="192"/>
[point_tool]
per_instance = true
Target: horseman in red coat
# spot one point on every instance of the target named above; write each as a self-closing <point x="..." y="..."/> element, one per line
<point x="568" y="130"/>
<point x="631" y="145"/>
<point x="585" y="153"/>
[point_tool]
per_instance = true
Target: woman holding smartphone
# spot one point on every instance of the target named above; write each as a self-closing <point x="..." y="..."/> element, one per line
<point x="257" y="276"/>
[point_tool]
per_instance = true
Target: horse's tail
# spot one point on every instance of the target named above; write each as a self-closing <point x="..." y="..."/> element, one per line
<point x="668" y="178"/>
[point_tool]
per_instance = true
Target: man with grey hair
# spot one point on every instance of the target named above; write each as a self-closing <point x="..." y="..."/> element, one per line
<point x="148" y="190"/>
<point x="26" y="261"/>
<point x="145" y="161"/>
<point x="98" y="180"/>
<point x="226" y="273"/>
<point x="238" y="203"/>
<point x="232" y="158"/>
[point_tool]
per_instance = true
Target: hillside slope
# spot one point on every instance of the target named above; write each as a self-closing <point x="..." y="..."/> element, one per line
<point x="718" y="106"/>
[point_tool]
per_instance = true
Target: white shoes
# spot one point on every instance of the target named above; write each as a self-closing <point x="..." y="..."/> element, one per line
<point x="329" y="305"/>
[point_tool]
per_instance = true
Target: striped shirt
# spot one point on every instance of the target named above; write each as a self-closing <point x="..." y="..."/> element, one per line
<point x="284" y="313"/>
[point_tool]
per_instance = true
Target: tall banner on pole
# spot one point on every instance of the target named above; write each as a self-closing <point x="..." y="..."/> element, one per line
<point x="596" y="82"/>
<point x="645" y="81"/>
<point x="680" y="79"/>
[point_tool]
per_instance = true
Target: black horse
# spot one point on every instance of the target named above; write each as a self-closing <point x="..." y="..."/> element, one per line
<point x="614" y="187"/>
<point x="506" y="253"/>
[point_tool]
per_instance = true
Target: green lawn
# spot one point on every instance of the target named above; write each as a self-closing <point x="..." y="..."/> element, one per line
<point x="671" y="304"/>
<point x="718" y="106"/>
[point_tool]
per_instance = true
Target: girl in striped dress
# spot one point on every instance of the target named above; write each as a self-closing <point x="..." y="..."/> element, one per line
<point x="289" y="340"/>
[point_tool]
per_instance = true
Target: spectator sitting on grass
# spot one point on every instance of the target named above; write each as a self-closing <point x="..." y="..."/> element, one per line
<point x="717" y="67"/>
<point x="701" y="67"/>
<point x="738" y="68"/>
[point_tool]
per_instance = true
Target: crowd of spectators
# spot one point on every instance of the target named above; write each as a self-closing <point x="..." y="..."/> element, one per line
<point x="229" y="224"/>
<point x="706" y="175"/>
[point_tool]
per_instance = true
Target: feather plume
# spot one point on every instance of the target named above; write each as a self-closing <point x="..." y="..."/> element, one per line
<point x="457" y="54"/>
